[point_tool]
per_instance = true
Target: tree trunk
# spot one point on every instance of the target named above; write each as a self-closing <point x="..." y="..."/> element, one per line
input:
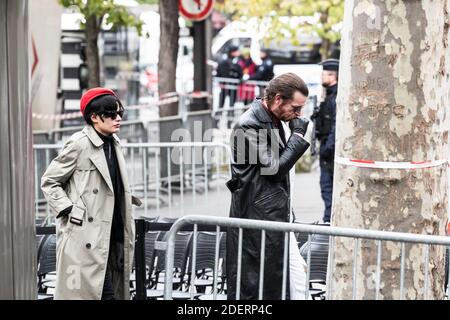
<point x="92" y="30"/>
<point x="391" y="106"/>
<point x="325" y="49"/>
<point x="326" y="44"/>
<point x="168" y="51"/>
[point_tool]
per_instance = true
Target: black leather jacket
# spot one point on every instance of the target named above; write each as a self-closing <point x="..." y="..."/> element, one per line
<point x="260" y="190"/>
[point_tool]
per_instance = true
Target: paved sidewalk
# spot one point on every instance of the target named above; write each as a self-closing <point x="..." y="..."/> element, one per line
<point x="307" y="202"/>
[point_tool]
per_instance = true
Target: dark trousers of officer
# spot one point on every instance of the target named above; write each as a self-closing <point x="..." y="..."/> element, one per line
<point x="232" y="93"/>
<point x="326" y="189"/>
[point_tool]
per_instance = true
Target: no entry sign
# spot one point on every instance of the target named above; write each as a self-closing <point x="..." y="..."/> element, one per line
<point x="195" y="10"/>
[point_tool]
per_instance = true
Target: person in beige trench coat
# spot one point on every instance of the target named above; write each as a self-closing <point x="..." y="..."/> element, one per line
<point x="81" y="190"/>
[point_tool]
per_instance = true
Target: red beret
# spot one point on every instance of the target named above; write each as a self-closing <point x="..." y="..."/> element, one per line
<point x="93" y="93"/>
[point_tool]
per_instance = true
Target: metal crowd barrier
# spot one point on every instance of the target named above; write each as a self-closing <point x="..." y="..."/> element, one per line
<point x="231" y="97"/>
<point x="333" y="232"/>
<point x="189" y="167"/>
<point x="142" y="227"/>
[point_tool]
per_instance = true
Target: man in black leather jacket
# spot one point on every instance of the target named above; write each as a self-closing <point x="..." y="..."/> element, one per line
<point x="261" y="160"/>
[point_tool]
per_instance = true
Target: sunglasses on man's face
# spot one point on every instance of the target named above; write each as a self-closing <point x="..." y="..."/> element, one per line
<point x="297" y="108"/>
<point x="112" y="114"/>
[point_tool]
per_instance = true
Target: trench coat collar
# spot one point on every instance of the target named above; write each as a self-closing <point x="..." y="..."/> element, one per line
<point x="263" y="116"/>
<point x="95" y="139"/>
<point x="98" y="156"/>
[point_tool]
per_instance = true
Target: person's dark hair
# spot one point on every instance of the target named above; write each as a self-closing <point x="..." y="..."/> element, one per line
<point x="285" y="85"/>
<point x="100" y="105"/>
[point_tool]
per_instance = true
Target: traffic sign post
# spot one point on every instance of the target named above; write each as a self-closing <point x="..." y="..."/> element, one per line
<point x="198" y="11"/>
<point x="195" y="10"/>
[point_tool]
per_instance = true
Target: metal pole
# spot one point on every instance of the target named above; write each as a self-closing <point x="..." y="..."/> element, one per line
<point x="216" y="262"/>
<point x="239" y="266"/>
<point x="169" y="178"/>
<point x="330" y="267"/>
<point x="133" y="168"/>
<point x="194" y="261"/>
<point x="193" y="173"/>
<point x="145" y="155"/>
<point x="181" y="177"/>
<point x="205" y="169"/>
<point x="285" y="265"/>
<point x="217" y="170"/>
<point x="141" y="293"/>
<point x="308" y="268"/>
<point x="261" y="265"/>
<point x="157" y="159"/>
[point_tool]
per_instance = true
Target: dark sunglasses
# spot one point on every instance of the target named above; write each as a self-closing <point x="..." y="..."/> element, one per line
<point x="112" y="114"/>
<point x="298" y="108"/>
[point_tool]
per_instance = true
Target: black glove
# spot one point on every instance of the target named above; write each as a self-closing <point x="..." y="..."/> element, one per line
<point x="299" y="125"/>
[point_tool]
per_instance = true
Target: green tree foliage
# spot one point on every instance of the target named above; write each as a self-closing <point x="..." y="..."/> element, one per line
<point x="148" y="1"/>
<point x="329" y="14"/>
<point x="95" y="12"/>
<point x="114" y="14"/>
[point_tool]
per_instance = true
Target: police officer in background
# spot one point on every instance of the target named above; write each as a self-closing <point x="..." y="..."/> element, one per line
<point x="264" y="72"/>
<point x="325" y="119"/>
<point x="229" y="68"/>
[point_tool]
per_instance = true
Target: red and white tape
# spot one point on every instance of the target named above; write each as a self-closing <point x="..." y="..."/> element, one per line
<point x="388" y="164"/>
<point x="169" y="98"/>
<point x="74" y="115"/>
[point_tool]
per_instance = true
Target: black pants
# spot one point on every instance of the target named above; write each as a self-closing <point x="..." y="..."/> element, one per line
<point x="115" y="263"/>
<point x="232" y="93"/>
<point x="108" y="291"/>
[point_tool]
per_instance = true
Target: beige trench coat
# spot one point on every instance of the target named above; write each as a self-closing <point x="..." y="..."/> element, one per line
<point x="79" y="176"/>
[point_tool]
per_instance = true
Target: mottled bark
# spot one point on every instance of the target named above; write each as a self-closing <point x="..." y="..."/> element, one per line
<point x="93" y="61"/>
<point x="168" y="50"/>
<point x="392" y="104"/>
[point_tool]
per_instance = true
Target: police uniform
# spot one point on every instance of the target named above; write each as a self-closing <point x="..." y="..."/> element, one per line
<point x="264" y="72"/>
<point x="229" y="68"/>
<point x="325" y="132"/>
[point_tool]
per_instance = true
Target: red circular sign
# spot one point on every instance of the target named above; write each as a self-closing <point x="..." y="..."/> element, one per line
<point x="195" y="10"/>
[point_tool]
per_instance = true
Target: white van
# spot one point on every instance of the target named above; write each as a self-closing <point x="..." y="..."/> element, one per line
<point x="251" y="34"/>
<point x="149" y="51"/>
